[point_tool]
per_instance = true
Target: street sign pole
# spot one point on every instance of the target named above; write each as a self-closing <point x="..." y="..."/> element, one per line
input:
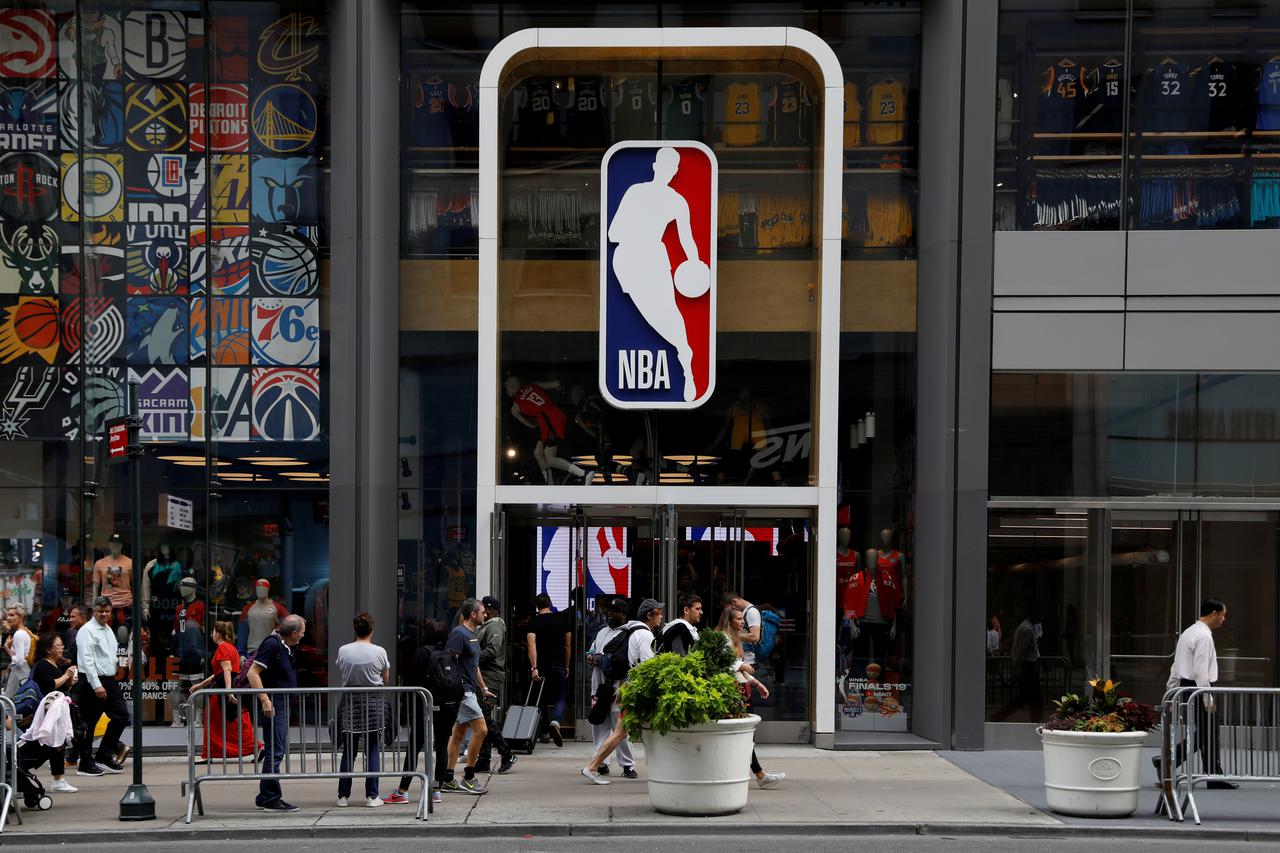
<point x="137" y="802"/>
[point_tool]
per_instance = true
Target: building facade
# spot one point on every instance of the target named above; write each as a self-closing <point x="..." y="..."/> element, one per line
<point x="969" y="388"/>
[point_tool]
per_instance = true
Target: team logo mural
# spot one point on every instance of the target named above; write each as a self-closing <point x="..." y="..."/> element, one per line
<point x="105" y="322"/>
<point x="231" y="192"/>
<point x="29" y="259"/>
<point x="222" y="124"/>
<point x="286" y="331"/>
<point x="35" y="402"/>
<point x="657" y="275"/>
<point x="101" y="176"/>
<point x="100" y="268"/>
<point x="28" y="117"/>
<point x="30" y="328"/>
<point x="94" y="110"/>
<point x="155" y="43"/>
<point x="157" y="187"/>
<point x="28" y="43"/>
<point x="284" y="261"/>
<point x="286" y="404"/>
<point x="288" y="47"/>
<point x="155" y="116"/>
<point x="228" y="403"/>
<point x="101" y="50"/>
<point x="230" y="47"/>
<point x="157" y="330"/>
<point x="164" y="403"/>
<point x="284" y="119"/>
<point x="157" y="268"/>
<point x="104" y="398"/>
<point x="224" y="327"/>
<point x="28" y="186"/>
<point x="284" y="189"/>
<point x="220" y="264"/>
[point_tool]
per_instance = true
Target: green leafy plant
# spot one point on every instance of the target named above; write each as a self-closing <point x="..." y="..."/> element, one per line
<point x="1104" y="709"/>
<point x="672" y="692"/>
<point x="716" y="652"/>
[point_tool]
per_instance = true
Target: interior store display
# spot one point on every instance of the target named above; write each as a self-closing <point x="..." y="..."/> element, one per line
<point x="259" y="618"/>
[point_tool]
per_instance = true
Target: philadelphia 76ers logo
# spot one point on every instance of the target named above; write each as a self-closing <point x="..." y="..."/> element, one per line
<point x="658" y="275"/>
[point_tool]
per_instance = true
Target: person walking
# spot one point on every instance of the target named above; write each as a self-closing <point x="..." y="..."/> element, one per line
<point x="1024" y="656"/>
<point x="76" y="619"/>
<point x="465" y="646"/>
<point x="549" y="642"/>
<point x="1195" y="664"/>
<point x="733" y="625"/>
<point x="603" y="691"/>
<point x="639" y="636"/>
<point x="493" y="666"/>
<point x="751" y="622"/>
<point x="99" y="693"/>
<point x="19" y="646"/>
<point x="228" y="732"/>
<point x="273" y="669"/>
<point x="431" y="667"/>
<point x="51" y="672"/>
<point x="680" y="634"/>
<point x="362" y="716"/>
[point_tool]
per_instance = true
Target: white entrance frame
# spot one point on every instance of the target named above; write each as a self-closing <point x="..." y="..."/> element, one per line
<point x="760" y="46"/>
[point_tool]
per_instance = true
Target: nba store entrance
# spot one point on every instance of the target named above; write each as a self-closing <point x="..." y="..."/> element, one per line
<point x="581" y="555"/>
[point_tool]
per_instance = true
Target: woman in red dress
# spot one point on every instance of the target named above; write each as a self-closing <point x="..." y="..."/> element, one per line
<point x="226" y="735"/>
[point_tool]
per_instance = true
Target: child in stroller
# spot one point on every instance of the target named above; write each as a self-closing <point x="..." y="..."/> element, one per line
<point x="55" y="724"/>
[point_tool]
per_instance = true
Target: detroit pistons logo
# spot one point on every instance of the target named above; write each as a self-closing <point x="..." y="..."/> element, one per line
<point x="657" y="275"/>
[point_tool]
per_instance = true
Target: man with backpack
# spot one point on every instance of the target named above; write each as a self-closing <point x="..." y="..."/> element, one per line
<point x="679" y="635"/>
<point x="632" y="644"/>
<point x="435" y="668"/>
<point x="604" y="712"/>
<point x="759" y="632"/>
<point x="465" y="646"/>
<point x="21" y="648"/>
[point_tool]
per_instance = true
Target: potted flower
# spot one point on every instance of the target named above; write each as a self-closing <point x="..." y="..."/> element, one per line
<point x="1092" y="751"/>
<point x="698" y="737"/>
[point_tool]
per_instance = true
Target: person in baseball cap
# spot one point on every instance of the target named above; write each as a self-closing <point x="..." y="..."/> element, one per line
<point x="647" y="607"/>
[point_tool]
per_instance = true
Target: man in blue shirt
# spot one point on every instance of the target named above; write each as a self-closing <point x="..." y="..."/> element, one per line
<point x="273" y="669"/>
<point x="466" y="648"/>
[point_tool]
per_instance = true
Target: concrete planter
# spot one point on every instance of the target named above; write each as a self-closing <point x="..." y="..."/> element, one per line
<point x="1092" y="774"/>
<point x="701" y="770"/>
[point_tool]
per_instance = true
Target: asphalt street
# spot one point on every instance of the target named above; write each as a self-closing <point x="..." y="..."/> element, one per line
<point x="730" y="842"/>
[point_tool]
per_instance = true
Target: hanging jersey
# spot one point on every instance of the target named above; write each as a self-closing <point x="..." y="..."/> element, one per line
<point x="634" y="111"/>
<point x="457" y="583"/>
<point x="887" y="108"/>
<point x="788" y="113"/>
<point x="846" y="569"/>
<point x="537" y="114"/>
<point x="1269" y="97"/>
<point x="430" y="122"/>
<point x="1219" y="98"/>
<point x="1060" y="91"/>
<point x="852" y="116"/>
<point x="729" y="209"/>
<point x="1165" y="98"/>
<point x="742" y="119"/>
<point x="1104" y="99"/>
<point x="464" y="115"/>
<point x="888" y="220"/>
<point x="586" y="114"/>
<point x="683" y="116"/>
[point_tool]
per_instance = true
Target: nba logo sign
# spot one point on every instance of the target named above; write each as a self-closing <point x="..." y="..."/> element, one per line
<point x="658" y="275"/>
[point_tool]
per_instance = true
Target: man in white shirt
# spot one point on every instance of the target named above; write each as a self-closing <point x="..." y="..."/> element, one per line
<point x="97" y="659"/>
<point x="1195" y="664"/>
<point x="615" y="615"/>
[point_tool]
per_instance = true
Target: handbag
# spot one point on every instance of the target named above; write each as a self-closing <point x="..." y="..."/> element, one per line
<point x="601" y="704"/>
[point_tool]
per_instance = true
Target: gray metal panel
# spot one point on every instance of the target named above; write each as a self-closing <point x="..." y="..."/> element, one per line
<point x="1202" y="342"/>
<point x="1057" y="341"/>
<point x="1059" y="263"/>
<point x="364" y="346"/>
<point x="1058" y="303"/>
<point x="1214" y="263"/>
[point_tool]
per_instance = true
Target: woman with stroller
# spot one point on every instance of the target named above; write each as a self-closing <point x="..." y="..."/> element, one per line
<point x="228" y="732"/>
<point x="51" y="672"/>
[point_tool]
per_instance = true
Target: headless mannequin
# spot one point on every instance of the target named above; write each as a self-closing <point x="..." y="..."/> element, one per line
<point x="894" y="558"/>
<point x="164" y="568"/>
<point x="113" y="577"/>
<point x="262" y="616"/>
<point x="188" y="631"/>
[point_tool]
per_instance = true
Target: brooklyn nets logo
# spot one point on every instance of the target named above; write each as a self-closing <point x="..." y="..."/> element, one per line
<point x="284" y="119"/>
<point x="155" y="44"/>
<point x="287" y="47"/>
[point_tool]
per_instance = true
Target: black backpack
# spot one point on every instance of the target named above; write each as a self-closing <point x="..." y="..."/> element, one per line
<point x="440" y="673"/>
<point x="614" y="661"/>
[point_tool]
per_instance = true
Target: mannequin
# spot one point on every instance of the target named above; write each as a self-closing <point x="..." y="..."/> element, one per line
<point x="891" y="558"/>
<point x="160" y="580"/>
<point x="113" y="577"/>
<point x="846" y="569"/>
<point x="874" y="599"/>
<point x="532" y="406"/>
<point x="188" y="633"/>
<point x="261" y="616"/>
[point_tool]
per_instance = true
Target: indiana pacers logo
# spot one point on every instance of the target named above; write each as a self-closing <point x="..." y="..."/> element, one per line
<point x="94" y="187"/>
<point x="288" y="46"/>
<point x="284" y="119"/>
<point x="155" y="116"/>
<point x="28" y="186"/>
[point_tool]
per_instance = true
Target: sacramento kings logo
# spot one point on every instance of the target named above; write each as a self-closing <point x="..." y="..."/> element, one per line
<point x="286" y="404"/>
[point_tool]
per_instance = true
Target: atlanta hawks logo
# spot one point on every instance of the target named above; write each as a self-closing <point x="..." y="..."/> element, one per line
<point x="28" y="43"/>
<point x="657" y="275"/>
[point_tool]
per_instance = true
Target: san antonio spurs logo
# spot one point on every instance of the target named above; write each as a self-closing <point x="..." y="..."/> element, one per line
<point x="32" y="390"/>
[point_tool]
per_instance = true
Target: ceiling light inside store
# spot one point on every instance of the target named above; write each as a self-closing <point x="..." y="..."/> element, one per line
<point x="200" y="463"/>
<point x="692" y="459"/>
<point x="188" y="458"/>
<point x="270" y="458"/>
<point x="675" y="477"/>
<point x="276" y="463"/>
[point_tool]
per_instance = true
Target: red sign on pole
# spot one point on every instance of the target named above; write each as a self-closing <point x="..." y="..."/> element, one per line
<point x="117" y="440"/>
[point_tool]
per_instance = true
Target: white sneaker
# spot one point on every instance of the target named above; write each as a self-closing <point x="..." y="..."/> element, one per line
<point x="341" y="803"/>
<point x="62" y="786"/>
<point x="593" y="776"/>
<point x="770" y="779"/>
<point x="373" y="802"/>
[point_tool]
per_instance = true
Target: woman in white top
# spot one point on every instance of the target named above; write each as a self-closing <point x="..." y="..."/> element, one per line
<point x="731" y="625"/>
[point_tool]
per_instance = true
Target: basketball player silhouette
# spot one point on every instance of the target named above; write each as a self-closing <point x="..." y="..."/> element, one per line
<point x="641" y="262"/>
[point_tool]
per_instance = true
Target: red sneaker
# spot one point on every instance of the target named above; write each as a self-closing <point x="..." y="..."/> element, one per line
<point x="396" y="799"/>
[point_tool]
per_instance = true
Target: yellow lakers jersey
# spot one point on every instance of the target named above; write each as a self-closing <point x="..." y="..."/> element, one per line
<point x="743" y="124"/>
<point x="887" y="112"/>
<point x="852" y="116"/>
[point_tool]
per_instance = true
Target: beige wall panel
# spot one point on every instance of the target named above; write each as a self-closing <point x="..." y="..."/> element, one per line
<point x="438" y="296"/>
<point x="878" y="296"/>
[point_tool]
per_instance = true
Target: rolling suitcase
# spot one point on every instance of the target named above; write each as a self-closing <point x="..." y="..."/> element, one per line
<point x="520" y="729"/>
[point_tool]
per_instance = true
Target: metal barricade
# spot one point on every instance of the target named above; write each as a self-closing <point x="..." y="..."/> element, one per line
<point x="1215" y="734"/>
<point x="8" y="761"/>
<point x="321" y="731"/>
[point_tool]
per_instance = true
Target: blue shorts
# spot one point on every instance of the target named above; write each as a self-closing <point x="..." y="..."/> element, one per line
<point x="468" y="709"/>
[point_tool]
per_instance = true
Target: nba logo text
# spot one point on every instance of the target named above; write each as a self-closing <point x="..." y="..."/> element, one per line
<point x="658" y="275"/>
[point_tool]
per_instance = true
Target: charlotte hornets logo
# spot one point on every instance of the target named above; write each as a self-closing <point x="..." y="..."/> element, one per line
<point x="657" y="275"/>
